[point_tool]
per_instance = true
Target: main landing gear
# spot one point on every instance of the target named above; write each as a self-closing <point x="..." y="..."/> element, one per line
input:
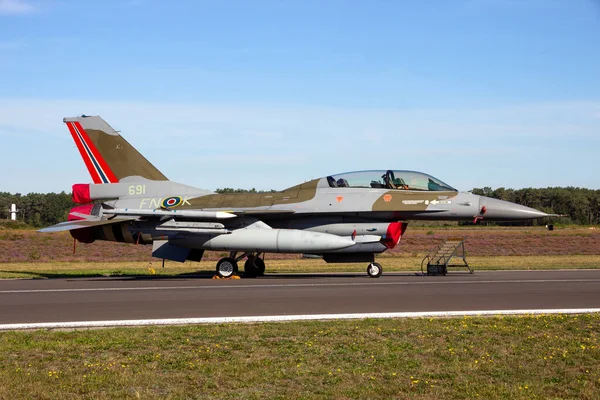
<point x="374" y="270"/>
<point x="254" y="265"/>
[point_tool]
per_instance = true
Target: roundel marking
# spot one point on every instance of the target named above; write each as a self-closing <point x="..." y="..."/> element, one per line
<point x="170" y="202"/>
<point x="387" y="198"/>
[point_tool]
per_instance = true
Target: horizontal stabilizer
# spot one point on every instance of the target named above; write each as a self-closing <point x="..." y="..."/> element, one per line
<point x="80" y="224"/>
<point x="83" y="216"/>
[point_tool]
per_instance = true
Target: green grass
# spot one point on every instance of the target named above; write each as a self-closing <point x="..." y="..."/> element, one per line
<point x="527" y="357"/>
<point x="390" y="264"/>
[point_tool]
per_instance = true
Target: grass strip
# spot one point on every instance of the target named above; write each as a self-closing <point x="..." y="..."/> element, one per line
<point x="390" y="264"/>
<point x="522" y="357"/>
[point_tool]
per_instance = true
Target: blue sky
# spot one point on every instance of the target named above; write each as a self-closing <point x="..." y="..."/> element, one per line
<point x="268" y="94"/>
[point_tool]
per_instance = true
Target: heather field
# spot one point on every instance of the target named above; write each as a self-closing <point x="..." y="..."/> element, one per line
<point x="27" y="252"/>
<point x="31" y="246"/>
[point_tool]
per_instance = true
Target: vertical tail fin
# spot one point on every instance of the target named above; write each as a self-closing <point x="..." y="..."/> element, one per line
<point x="106" y="154"/>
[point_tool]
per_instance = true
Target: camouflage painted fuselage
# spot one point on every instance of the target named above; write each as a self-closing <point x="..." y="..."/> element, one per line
<point x="344" y="217"/>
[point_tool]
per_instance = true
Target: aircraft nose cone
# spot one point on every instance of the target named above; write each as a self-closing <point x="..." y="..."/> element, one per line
<point x="500" y="210"/>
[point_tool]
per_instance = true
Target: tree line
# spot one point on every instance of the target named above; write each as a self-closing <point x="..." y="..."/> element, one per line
<point x="579" y="206"/>
<point x="37" y="209"/>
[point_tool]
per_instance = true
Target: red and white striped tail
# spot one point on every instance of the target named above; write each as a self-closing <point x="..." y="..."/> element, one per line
<point x="108" y="157"/>
<point x="96" y="165"/>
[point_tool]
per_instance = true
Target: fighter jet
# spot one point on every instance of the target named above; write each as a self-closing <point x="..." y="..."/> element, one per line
<point x="346" y="217"/>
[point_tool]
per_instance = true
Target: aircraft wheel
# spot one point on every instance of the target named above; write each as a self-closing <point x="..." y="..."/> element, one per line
<point x="226" y="267"/>
<point x="374" y="270"/>
<point x="260" y="264"/>
<point x="254" y="267"/>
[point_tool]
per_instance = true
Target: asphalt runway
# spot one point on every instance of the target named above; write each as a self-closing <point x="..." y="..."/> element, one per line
<point x="135" y="298"/>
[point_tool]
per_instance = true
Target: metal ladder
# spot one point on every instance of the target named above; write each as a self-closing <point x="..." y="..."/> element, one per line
<point x="439" y="259"/>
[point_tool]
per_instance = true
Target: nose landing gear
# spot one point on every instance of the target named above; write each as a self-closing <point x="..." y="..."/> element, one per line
<point x="374" y="270"/>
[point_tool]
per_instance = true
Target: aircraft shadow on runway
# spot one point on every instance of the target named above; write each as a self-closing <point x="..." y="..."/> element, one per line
<point x="194" y="275"/>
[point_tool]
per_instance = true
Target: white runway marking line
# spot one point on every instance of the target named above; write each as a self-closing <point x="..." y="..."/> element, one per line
<point x="294" y="285"/>
<point x="287" y="318"/>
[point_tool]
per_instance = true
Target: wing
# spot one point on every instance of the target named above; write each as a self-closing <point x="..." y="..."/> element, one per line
<point x="84" y="223"/>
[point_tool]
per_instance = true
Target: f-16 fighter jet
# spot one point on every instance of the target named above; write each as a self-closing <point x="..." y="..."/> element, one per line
<point x="347" y="217"/>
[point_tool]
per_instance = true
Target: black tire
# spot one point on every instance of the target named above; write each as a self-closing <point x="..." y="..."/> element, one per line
<point x="254" y="267"/>
<point x="374" y="270"/>
<point x="227" y="267"/>
<point x="260" y="264"/>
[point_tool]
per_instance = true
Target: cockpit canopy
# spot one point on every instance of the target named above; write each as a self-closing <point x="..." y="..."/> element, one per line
<point x="400" y="180"/>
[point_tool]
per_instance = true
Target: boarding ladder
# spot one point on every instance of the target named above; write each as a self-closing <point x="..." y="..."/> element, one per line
<point x="439" y="259"/>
